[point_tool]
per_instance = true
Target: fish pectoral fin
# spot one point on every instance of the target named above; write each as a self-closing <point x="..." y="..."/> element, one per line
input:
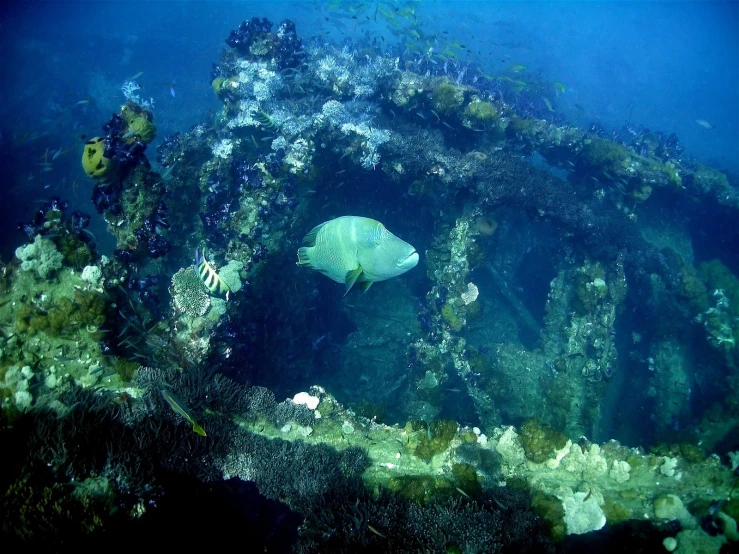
<point x="365" y="285"/>
<point x="351" y="278"/>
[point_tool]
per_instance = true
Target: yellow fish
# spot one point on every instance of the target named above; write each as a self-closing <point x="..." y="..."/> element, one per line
<point x="559" y="86"/>
<point x="518" y="68"/>
<point x="352" y="249"/>
<point x="179" y="408"/>
<point x="518" y="86"/>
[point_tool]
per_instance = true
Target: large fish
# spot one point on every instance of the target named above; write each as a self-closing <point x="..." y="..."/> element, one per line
<point x="353" y="249"/>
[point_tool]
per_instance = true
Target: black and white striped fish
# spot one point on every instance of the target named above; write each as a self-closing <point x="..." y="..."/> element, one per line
<point x="209" y="277"/>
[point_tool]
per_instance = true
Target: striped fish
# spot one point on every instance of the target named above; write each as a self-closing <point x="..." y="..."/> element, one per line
<point x="208" y="276"/>
<point x="265" y="121"/>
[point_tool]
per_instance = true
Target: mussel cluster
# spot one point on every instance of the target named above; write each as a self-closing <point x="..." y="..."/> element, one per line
<point x="254" y="40"/>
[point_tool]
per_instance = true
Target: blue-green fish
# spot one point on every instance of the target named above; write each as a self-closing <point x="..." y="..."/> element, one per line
<point x="353" y="249"/>
<point x="179" y="408"/>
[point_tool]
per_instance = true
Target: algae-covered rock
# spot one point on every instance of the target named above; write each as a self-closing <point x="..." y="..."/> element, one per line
<point x="604" y="154"/>
<point x="478" y="112"/>
<point x="139" y="123"/>
<point x="708" y="179"/>
<point x="550" y="508"/>
<point x="451" y="316"/>
<point x="541" y="442"/>
<point x="447" y="98"/>
<point x="436" y="439"/>
<point x="142" y="128"/>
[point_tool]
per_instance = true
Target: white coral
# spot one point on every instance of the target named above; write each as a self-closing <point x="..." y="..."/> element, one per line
<point x="91" y="274"/>
<point x="41" y="256"/>
<point x="223" y="149"/>
<point x="470" y="295"/>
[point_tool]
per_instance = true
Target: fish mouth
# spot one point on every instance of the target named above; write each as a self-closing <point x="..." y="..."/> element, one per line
<point x="410" y="262"/>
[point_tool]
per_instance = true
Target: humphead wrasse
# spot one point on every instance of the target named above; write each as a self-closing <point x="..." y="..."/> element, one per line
<point x="353" y="249"/>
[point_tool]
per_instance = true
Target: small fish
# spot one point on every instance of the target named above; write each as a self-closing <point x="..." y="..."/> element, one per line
<point x="548" y="103"/>
<point x="559" y="86"/>
<point x="129" y="135"/>
<point x="209" y="277"/>
<point x="61" y="358"/>
<point x="139" y="74"/>
<point x="179" y="408"/>
<point x="82" y="102"/>
<point x="169" y="171"/>
<point x="57" y="154"/>
<point x="375" y="531"/>
<point x="500" y="505"/>
<point x="97" y="370"/>
<point x="171" y="91"/>
<point x="705" y="124"/>
<point x="518" y="86"/>
<point x="108" y="373"/>
<point x="460" y="491"/>
<point x="518" y="68"/>
<point x="70" y="409"/>
<point x="316" y="343"/>
<point x="266" y="121"/>
<point x="47" y="169"/>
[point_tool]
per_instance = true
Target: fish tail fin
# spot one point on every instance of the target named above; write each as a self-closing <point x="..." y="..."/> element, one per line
<point x="303" y="257"/>
<point x="198" y="429"/>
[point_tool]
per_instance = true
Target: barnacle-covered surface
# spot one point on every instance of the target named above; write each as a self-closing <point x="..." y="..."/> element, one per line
<point x="482" y="402"/>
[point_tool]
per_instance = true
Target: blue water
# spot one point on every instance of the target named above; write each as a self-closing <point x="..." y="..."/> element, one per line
<point x="661" y="65"/>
